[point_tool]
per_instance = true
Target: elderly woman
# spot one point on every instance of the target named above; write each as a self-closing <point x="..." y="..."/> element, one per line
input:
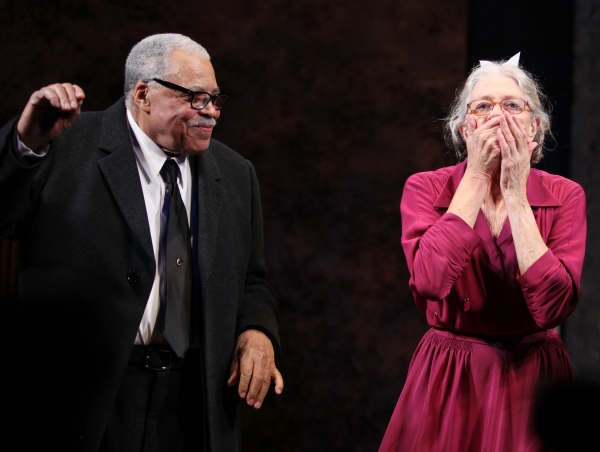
<point x="495" y="252"/>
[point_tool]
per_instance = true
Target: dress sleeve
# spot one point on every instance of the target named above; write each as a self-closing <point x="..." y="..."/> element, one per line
<point x="438" y="246"/>
<point x="552" y="285"/>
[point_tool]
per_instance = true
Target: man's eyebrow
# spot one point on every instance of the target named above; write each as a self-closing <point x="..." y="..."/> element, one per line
<point x="204" y="90"/>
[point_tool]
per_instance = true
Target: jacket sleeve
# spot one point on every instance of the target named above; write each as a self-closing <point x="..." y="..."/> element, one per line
<point x="438" y="246"/>
<point x="552" y="285"/>
<point x="259" y="308"/>
<point x="20" y="177"/>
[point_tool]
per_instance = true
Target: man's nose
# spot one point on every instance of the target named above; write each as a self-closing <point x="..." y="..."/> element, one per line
<point x="210" y="110"/>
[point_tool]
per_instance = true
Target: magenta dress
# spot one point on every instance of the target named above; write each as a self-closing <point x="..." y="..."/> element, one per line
<point x="472" y="381"/>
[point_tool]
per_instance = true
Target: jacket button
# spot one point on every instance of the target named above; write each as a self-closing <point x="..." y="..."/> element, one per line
<point x="133" y="277"/>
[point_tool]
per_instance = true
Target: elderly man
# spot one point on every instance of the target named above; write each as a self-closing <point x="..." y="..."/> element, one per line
<point x="143" y="306"/>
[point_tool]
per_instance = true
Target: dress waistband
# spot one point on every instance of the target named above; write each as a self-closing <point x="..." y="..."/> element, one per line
<point x="502" y="341"/>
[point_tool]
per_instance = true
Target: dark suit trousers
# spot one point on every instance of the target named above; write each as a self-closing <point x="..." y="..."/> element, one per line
<point x="158" y="411"/>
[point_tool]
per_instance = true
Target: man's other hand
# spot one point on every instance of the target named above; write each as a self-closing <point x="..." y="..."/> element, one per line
<point x="253" y="366"/>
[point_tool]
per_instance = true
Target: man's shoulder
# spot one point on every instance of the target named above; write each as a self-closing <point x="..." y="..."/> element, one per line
<point x="96" y="118"/>
<point x="222" y="161"/>
<point x="224" y="155"/>
<point x="88" y="119"/>
<point x="91" y="125"/>
<point x="222" y="150"/>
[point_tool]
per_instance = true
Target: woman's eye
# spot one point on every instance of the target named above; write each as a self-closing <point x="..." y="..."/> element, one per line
<point x="484" y="106"/>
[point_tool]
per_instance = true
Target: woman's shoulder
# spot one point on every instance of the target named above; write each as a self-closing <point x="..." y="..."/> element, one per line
<point x="439" y="174"/>
<point x="437" y="179"/>
<point x="560" y="186"/>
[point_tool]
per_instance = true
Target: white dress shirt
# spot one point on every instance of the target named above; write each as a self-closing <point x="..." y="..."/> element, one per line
<point x="150" y="159"/>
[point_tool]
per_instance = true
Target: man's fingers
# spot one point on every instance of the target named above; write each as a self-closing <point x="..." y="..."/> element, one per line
<point x="258" y="373"/>
<point x="259" y="386"/>
<point x="277" y="379"/>
<point x="234" y="376"/>
<point x="79" y="95"/>
<point x="62" y="96"/>
<point x="43" y="97"/>
<point x="71" y="98"/>
<point x="262" y="384"/>
<point x="245" y="376"/>
<point x="66" y="95"/>
<point x="256" y="367"/>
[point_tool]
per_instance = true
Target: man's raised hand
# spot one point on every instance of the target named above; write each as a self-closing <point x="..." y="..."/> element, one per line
<point x="49" y="112"/>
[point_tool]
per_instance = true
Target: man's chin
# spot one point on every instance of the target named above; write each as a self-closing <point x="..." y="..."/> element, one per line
<point x="187" y="147"/>
<point x="197" y="148"/>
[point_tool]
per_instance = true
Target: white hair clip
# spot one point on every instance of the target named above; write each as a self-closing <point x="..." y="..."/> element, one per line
<point x="513" y="61"/>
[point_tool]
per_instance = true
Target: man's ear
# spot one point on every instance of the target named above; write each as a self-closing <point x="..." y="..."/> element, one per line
<point x="141" y="96"/>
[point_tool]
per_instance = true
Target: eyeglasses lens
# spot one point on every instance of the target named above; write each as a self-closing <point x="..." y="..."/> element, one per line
<point x="514" y="106"/>
<point x="200" y="100"/>
<point x="485" y="107"/>
<point x="220" y="101"/>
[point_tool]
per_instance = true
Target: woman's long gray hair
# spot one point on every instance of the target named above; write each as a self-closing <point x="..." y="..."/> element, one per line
<point x="526" y="81"/>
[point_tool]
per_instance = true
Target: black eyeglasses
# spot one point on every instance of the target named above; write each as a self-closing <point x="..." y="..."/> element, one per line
<point x="199" y="99"/>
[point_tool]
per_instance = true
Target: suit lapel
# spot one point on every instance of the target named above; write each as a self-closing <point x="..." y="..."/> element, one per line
<point x="210" y="202"/>
<point x="121" y="173"/>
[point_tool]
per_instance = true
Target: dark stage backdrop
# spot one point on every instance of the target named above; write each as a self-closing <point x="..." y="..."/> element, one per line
<point x="336" y="103"/>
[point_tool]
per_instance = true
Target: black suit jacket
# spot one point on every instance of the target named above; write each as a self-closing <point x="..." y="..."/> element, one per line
<point x="87" y="267"/>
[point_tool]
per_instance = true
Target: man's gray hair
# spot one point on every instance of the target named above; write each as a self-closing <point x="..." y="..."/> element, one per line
<point x="526" y="81"/>
<point x="151" y="58"/>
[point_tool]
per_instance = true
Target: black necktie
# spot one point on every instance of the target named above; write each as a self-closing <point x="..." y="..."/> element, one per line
<point x="175" y="265"/>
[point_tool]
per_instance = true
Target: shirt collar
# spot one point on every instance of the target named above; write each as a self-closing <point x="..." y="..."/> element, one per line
<point x="149" y="155"/>
<point x="537" y="193"/>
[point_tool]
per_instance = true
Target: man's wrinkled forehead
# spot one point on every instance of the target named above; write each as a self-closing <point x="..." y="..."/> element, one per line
<point x="192" y="67"/>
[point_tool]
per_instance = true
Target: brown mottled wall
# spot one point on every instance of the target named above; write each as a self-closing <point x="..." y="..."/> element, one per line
<point x="335" y="102"/>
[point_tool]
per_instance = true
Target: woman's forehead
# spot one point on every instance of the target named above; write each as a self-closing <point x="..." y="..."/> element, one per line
<point x="496" y="85"/>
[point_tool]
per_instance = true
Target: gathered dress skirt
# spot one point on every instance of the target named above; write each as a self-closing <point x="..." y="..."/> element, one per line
<point x="475" y="394"/>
